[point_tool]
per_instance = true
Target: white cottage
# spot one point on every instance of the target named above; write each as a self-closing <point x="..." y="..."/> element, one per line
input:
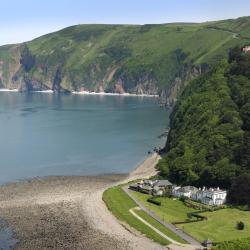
<point x="214" y="196"/>
<point x="211" y="196"/>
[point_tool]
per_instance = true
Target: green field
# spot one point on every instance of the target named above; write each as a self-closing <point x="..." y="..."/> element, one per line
<point x="220" y="226"/>
<point x="137" y="54"/>
<point x="170" y="210"/>
<point x="119" y="203"/>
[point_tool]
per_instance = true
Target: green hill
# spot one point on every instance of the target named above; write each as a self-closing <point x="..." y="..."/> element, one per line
<point x="209" y="140"/>
<point x="132" y="58"/>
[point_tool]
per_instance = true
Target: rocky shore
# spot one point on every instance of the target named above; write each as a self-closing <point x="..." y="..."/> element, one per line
<point x="68" y="212"/>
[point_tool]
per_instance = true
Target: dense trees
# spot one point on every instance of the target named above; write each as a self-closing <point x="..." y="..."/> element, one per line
<point x="209" y="140"/>
<point x="240" y="190"/>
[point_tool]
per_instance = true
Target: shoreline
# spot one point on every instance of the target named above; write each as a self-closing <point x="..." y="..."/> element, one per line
<point x="83" y="93"/>
<point x="70" y="209"/>
<point x="9" y="90"/>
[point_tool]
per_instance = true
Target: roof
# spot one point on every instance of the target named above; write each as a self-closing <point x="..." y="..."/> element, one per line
<point x="212" y="190"/>
<point x="157" y="188"/>
<point x="146" y="187"/>
<point x="163" y="183"/>
<point x="182" y="190"/>
<point x="187" y="189"/>
<point x="191" y="188"/>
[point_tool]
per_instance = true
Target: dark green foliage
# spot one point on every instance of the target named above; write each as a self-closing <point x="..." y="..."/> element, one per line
<point x="153" y="201"/>
<point x="240" y="225"/>
<point x="197" y="215"/>
<point x="183" y="198"/>
<point x="241" y="244"/>
<point x="239" y="192"/>
<point x="209" y="142"/>
<point x="240" y="64"/>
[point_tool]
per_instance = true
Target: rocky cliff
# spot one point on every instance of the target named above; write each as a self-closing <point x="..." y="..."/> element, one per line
<point x="148" y="59"/>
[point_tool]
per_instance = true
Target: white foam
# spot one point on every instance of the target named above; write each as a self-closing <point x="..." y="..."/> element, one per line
<point x="83" y="93"/>
<point x="44" y="91"/>
<point x="9" y="90"/>
<point x="109" y="94"/>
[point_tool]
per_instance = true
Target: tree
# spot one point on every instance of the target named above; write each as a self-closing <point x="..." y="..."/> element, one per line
<point x="209" y="142"/>
<point x="239" y="192"/>
<point x="240" y="225"/>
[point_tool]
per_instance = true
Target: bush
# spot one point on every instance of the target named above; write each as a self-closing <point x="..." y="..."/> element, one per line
<point x="153" y="201"/>
<point x="240" y="225"/>
<point x="183" y="198"/>
<point x="197" y="215"/>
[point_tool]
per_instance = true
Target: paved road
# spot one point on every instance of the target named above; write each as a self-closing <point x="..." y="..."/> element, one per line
<point x="170" y="226"/>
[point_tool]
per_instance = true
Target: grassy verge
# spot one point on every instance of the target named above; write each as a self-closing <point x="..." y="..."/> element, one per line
<point x="220" y="226"/>
<point x="159" y="226"/>
<point x="119" y="203"/>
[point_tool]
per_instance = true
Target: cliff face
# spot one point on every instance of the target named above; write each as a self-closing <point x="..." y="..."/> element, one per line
<point x="170" y="95"/>
<point x="148" y="59"/>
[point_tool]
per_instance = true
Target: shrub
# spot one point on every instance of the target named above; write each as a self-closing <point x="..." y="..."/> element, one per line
<point x="240" y="225"/>
<point x="153" y="201"/>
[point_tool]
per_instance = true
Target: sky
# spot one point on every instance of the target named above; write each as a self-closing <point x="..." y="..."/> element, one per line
<point x="23" y="20"/>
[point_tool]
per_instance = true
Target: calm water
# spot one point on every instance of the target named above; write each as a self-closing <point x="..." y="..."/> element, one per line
<point x="48" y="134"/>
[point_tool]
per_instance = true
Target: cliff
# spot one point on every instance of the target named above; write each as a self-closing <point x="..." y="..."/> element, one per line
<point x="148" y="59"/>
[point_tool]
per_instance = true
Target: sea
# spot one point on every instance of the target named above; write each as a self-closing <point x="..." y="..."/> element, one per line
<point x="43" y="134"/>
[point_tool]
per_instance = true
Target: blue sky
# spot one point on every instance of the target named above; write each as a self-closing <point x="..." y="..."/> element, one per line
<point x="22" y="20"/>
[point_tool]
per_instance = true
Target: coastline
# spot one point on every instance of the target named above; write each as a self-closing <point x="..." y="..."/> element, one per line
<point x="84" y="93"/>
<point x="110" y="94"/>
<point x="67" y="212"/>
<point x="9" y="90"/>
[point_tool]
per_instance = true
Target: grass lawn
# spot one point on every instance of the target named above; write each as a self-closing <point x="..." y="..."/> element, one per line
<point x="170" y="210"/>
<point x="220" y="226"/>
<point x="159" y="226"/>
<point x="119" y="203"/>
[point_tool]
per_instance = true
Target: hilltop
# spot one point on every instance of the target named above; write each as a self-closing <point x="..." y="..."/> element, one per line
<point x="142" y="59"/>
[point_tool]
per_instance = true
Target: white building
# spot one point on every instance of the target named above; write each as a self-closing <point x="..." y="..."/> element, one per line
<point x="211" y="196"/>
<point x="186" y="191"/>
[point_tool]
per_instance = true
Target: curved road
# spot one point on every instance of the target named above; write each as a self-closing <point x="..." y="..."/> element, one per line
<point x="170" y="226"/>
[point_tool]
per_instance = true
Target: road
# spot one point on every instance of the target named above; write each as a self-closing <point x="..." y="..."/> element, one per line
<point x="170" y="226"/>
<point x="132" y="211"/>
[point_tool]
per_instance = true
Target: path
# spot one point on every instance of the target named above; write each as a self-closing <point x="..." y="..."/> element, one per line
<point x="132" y="211"/>
<point x="220" y="44"/>
<point x="170" y="226"/>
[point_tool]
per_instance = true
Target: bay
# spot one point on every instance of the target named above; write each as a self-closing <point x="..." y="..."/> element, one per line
<point x="44" y="134"/>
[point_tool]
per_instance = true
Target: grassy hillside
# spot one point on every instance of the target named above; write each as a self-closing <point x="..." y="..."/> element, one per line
<point x="118" y="58"/>
<point x="209" y="141"/>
